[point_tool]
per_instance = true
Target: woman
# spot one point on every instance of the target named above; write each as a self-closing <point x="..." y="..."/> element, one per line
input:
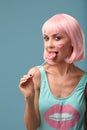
<point x="56" y="93"/>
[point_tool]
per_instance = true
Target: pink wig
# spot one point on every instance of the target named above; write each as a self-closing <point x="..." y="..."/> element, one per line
<point x="68" y="24"/>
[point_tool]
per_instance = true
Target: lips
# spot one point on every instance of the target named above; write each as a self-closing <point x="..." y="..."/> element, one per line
<point x="50" y="55"/>
<point x="62" y="117"/>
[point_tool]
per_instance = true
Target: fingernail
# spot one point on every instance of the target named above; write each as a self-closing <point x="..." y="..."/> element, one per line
<point x="30" y="75"/>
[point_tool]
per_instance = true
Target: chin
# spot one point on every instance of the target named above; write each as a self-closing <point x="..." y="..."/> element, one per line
<point x="51" y="62"/>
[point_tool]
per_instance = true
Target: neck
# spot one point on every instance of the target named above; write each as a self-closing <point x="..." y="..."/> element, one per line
<point x="62" y="68"/>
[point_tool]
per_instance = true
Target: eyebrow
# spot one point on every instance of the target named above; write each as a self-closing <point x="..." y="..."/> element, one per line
<point x="57" y="34"/>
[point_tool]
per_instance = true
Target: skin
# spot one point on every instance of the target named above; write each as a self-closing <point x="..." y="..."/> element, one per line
<point x="60" y="75"/>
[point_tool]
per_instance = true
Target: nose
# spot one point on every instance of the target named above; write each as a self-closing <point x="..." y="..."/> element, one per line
<point x="50" y="43"/>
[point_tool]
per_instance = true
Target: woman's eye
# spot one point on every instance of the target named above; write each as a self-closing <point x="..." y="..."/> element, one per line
<point x="46" y="38"/>
<point x="57" y="38"/>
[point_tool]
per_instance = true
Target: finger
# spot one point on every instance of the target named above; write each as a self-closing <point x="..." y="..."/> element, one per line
<point x="26" y="77"/>
<point x="25" y="81"/>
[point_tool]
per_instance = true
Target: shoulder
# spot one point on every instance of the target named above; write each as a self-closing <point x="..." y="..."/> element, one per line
<point x="86" y="108"/>
<point x="86" y="91"/>
<point x="33" y="70"/>
<point x="86" y="87"/>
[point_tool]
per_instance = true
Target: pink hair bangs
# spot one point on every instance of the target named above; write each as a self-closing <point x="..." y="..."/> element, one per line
<point x="65" y="23"/>
<point x="53" y="25"/>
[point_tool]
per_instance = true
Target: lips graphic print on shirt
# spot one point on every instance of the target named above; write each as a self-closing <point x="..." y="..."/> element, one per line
<point x="62" y="117"/>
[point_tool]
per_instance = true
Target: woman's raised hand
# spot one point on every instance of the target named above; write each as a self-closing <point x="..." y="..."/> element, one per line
<point x="26" y="86"/>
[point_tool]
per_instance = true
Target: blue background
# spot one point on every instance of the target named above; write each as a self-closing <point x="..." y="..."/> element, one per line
<point x="21" y="47"/>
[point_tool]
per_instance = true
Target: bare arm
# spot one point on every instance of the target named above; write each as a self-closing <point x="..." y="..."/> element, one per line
<point x="31" y="116"/>
<point x="31" y="94"/>
<point x="86" y="108"/>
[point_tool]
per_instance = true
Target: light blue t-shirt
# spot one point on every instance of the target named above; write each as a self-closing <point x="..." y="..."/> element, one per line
<point x="62" y="113"/>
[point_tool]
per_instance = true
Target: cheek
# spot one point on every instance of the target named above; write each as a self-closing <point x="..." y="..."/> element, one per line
<point x="67" y="51"/>
<point x="59" y="46"/>
<point x="45" y="46"/>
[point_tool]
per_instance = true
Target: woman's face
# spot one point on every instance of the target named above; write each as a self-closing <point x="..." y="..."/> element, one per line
<point x="57" y="47"/>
